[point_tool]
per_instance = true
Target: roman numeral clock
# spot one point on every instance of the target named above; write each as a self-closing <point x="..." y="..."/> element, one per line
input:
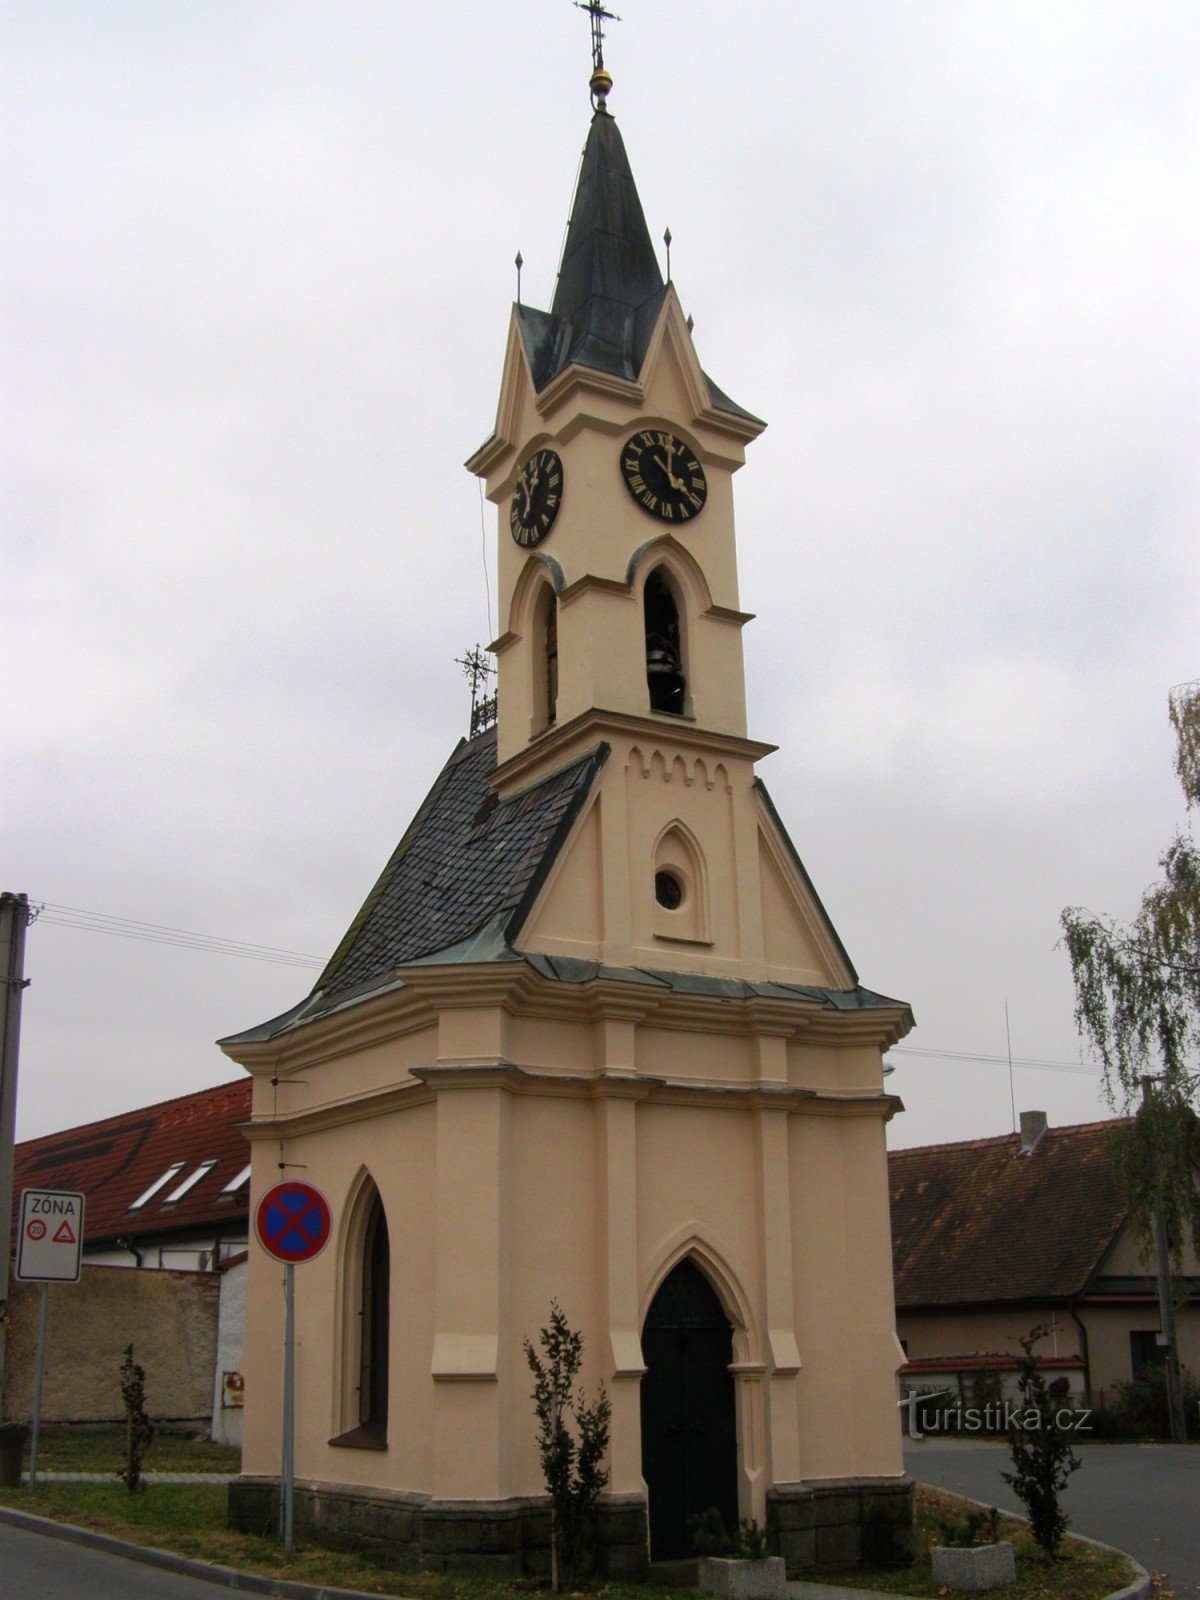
<point x="663" y="475"/>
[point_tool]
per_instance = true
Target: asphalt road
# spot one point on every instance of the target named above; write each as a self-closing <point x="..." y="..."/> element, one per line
<point x="37" y="1568"/>
<point x="1144" y="1498"/>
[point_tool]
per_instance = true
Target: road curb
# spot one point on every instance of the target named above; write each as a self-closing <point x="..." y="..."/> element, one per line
<point x="167" y="1561"/>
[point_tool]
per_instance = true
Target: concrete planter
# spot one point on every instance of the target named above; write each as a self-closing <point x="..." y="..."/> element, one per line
<point x="731" y="1578"/>
<point x="977" y="1566"/>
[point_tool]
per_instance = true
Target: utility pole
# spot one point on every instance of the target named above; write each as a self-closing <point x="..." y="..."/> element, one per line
<point x="1166" y="1315"/>
<point x="14" y="919"/>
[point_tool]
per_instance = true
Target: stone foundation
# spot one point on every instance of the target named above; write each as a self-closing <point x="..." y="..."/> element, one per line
<point x="817" y="1527"/>
<point x="409" y="1530"/>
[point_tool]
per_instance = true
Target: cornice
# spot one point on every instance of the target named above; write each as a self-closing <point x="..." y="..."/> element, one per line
<point x="661" y="727"/>
<point x="589" y="381"/>
<point x="504" y="1077"/>
<point x="420" y="994"/>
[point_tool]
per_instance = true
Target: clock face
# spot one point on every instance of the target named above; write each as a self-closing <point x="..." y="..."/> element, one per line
<point x="663" y="475"/>
<point x="537" y="496"/>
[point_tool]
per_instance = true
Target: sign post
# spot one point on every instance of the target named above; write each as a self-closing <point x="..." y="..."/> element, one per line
<point x="292" y="1224"/>
<point x="49" y="1250"/>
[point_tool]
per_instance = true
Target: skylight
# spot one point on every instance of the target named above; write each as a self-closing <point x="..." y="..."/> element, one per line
<point x="234" y="1184"/>
<point x="177" y="1195"/>
<point x="159" y="1183"/>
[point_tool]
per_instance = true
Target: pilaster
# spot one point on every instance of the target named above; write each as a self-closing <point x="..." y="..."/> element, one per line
<point x="471" y="1247"/>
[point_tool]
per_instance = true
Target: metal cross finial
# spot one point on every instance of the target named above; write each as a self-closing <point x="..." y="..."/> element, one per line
<point x="478" y="670"/>
<point x="601" y="82"/>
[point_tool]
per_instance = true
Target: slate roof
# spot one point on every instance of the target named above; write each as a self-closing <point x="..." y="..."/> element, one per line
<point x="114" y="1162"/>
<point x="980" y="1223"/>
<point x="462" y="881"/>
<point x="467" y="863"/>
<point x="610" y="289"/>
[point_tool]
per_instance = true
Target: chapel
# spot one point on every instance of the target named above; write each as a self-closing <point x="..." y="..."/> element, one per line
<point x="592" y="1039"/>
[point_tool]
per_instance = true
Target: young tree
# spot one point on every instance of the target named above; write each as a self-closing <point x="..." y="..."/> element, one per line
<point x="572" y="1470"/>
<point x="1137" y="1000"/>
<point x="139" y="1430"/>
<point x="1041" y="1452"/>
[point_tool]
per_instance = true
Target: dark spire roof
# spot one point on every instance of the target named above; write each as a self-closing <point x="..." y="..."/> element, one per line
<point x="609" y="270"/>
<point x="610" y="289"/>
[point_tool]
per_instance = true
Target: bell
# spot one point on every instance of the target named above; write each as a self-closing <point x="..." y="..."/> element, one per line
<point x="663" y="674"/>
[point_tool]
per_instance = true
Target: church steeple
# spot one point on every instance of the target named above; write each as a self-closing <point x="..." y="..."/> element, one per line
<point x="611" y="463"/>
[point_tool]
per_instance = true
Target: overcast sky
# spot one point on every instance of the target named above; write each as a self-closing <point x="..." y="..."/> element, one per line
<point x="257" y="276"/>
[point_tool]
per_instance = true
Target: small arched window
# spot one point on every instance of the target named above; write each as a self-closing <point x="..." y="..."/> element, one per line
<point x="665" y="676"/>
<point x="545" y="659"/>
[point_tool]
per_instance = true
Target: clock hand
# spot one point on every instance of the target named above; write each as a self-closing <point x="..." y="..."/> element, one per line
<point x="676" y="483"/>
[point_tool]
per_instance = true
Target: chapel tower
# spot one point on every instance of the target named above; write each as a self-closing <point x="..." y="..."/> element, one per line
<point x="592" y="1038"/>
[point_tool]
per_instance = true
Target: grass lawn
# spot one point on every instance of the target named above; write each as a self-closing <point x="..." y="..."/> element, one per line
<point x="69" y="1450"/>
<point x="1079" y="1572"/>
<point x="190" y="1519"/>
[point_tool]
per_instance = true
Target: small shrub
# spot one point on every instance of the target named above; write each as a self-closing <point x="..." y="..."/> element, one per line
<point x="709" y="1535"/>
<point x="969" y="1528"/>
<point x="752" y="1540"/>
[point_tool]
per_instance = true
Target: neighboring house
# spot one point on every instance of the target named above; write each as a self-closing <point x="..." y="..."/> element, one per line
<point x="167" y="1191"/>
<point x="992" y="1237"/>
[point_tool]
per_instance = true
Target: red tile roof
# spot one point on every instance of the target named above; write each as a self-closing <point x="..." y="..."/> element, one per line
<point x="115" y="1161"/>
<point x="985" y="1363"/>
<point x="981" y="1223"/>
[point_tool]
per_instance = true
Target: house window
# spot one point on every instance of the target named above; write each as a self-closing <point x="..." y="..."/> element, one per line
<point x="1144" y="1352"/>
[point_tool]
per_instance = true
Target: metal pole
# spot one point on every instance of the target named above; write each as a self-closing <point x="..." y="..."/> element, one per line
<point x="14" y="919"/>
<point x="37" y="1385"/>
<point x="289" y="1415"/>
<point x="1166" y="1318"/>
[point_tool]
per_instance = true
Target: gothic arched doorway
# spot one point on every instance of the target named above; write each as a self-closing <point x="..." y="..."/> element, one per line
<point x="689" y="1429"/>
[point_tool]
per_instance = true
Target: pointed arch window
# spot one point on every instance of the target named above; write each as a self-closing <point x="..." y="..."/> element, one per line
<point x="368" y="1326"/>
<point x="376" y="1324"/>
<point x="545" y="659"/>
<point x="666" y="678"/>
<point x="680" y="887"/>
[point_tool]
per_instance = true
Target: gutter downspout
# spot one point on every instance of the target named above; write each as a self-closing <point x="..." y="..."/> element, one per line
<point x="1083" y="1345"/>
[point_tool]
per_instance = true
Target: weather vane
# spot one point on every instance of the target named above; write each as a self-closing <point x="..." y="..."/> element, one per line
<point x="601" y="81"/>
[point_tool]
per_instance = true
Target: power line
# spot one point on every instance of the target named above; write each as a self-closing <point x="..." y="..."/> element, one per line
<point x="161" y="933"/>
<point x="1082" y="1068"/>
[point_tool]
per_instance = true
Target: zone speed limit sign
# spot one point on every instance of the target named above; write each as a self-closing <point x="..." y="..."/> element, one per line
<point x="50" y="1241"/>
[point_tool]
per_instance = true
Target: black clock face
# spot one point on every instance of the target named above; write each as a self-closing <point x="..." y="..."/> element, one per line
<point x="663" y="475"/>
<point x="537" y="496"/>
